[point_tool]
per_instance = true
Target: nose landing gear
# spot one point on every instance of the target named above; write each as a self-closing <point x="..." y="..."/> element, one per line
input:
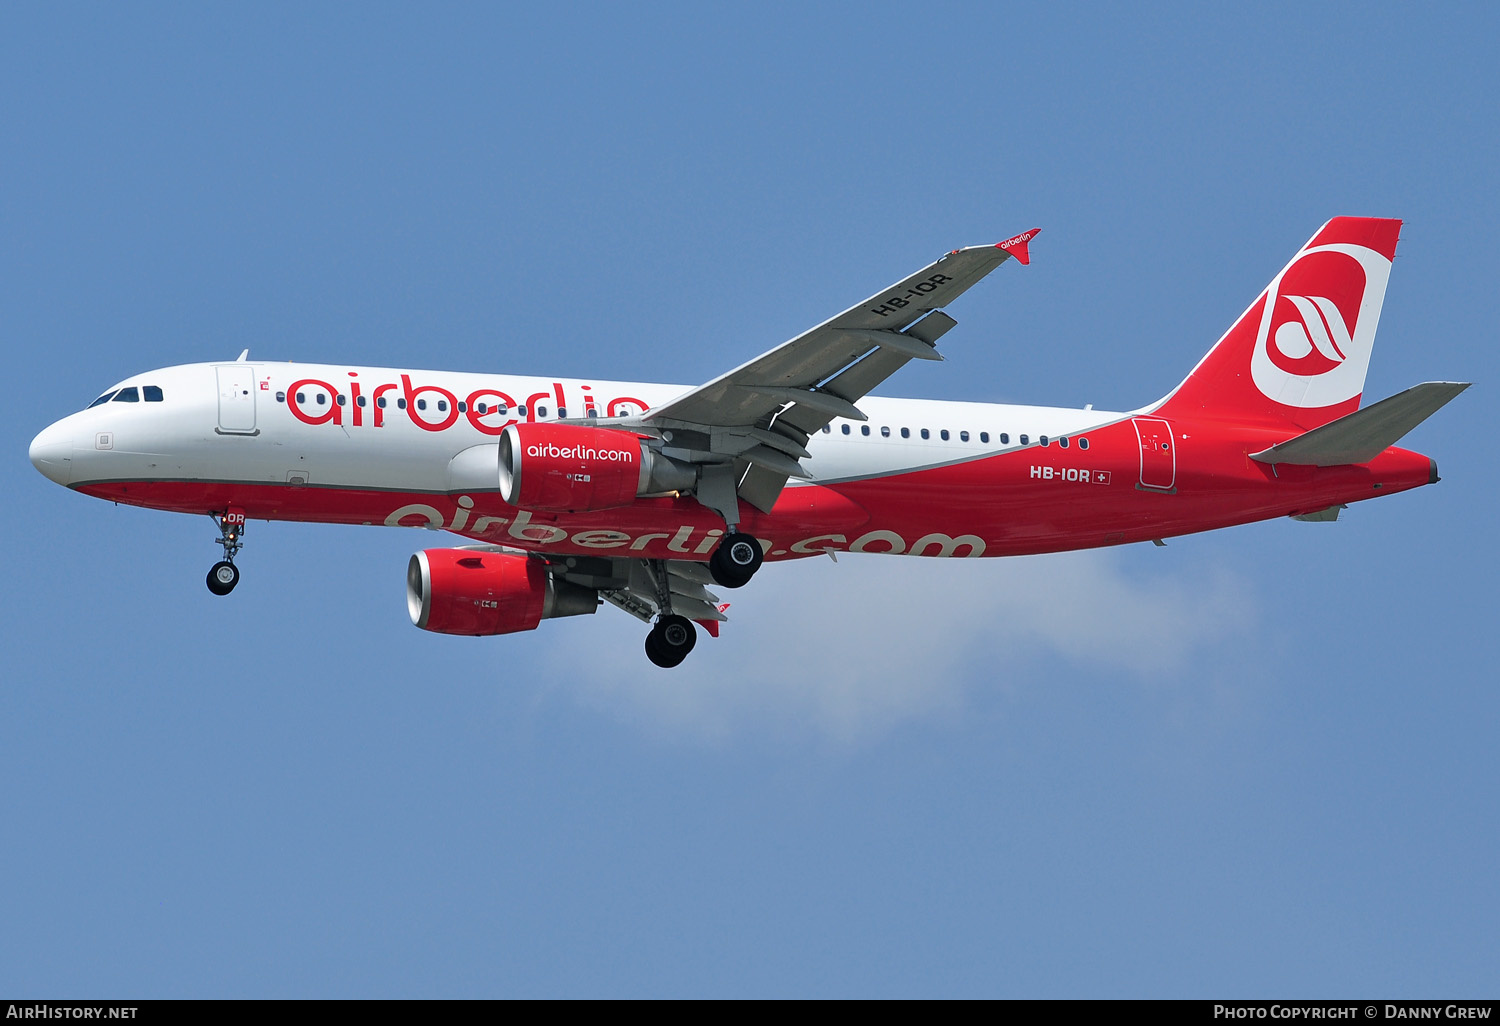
<point x="224" y="575"/>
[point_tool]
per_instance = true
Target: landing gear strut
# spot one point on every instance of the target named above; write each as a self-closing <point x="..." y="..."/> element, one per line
<point x="224" y="575"/>
<point x="736" y="559"/>
<point x="671" y="640"/>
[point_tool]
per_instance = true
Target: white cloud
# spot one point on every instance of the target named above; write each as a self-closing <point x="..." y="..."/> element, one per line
<point x="850" y="651"/>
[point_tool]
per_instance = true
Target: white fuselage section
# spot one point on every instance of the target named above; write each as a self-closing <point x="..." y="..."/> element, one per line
<point x="409" y="431"/>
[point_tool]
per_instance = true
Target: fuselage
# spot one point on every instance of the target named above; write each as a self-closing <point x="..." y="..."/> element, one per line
<point x="364" y="445"/>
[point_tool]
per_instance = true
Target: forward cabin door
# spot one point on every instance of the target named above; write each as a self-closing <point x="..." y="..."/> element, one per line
<point x="236" y="399"/>
<point x="1158" y="453"/>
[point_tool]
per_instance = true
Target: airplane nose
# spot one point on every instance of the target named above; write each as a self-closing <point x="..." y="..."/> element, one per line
<point x="52" y="453"/>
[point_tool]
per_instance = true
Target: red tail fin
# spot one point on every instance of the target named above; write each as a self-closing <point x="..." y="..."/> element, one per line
<point x="1300" y="352"/>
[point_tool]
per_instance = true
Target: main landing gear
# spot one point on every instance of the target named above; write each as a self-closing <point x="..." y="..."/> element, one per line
<point x="736" y="559"/>
<point x="673" y="635"/>
<point x="224" y="575"/>
<point x="671" y="640"/>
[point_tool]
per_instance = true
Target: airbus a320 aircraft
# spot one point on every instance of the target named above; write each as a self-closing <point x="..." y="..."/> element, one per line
<point x="574" y="493"/>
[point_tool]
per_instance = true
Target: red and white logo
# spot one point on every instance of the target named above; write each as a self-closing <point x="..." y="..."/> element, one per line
<point x="1318" y="324"/>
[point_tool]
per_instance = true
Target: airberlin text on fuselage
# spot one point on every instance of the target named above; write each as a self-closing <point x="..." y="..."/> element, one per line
<point x="681" y="539"/>
<point x="581" y="452"/>
<point x="370" y="408"/>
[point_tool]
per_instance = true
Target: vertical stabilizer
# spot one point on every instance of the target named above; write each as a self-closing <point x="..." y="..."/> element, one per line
<point x="1300" y="353"/>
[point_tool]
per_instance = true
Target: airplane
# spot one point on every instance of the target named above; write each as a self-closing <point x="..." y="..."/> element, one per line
<point x="575" y="493"/>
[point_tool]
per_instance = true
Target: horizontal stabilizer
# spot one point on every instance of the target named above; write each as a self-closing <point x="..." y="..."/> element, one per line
<point x="1364" y="434"/>
<point x="1327" y="515"/>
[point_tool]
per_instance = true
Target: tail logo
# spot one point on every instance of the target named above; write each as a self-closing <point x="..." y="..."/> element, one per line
<point x="1320" y="326"/>
<point x="1319" y="318"/>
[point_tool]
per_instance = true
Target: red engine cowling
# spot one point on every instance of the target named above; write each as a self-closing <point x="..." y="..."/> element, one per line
<point x="462" y="591"/>
<point x="569" y="468"/>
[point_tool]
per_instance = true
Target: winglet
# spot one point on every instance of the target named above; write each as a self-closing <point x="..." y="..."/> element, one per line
<point x="1016" y="245"/>
<point x="712" y="626"/>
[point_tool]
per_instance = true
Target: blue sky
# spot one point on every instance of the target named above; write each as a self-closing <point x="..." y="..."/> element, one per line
<point x="1255" y="762"/>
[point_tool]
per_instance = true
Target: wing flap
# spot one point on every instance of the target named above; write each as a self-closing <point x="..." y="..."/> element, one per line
<point x="630" y="586"/>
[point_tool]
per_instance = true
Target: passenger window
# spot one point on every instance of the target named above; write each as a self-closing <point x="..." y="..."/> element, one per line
<point x="152" y="393"/>
<point x="827" y="429"/>
<point x="1005" y="438"/>
<point x="1025" y="440"/>
<point x="281" y="397"/>
<point x="421" y="404"/>
<point x="127" y="395"/>
<point x="864" y="429"/>
<point x="593" y="412"/>
<point x="380" y="402"/>
<point x="106" y="397"/>
<point x="1063" y="441"/>
<point x="301" y="397"/>
<point x="926" y="433"/>
<point x="1083" y="443"/>
<point x="442" y="406"/>
<point x="541" y="411"/>
<point x="963" y="436"/>
<point x="561" y="413"/>
<point x="520" y="411"/>
<point x="845" y="429"/>
<point x="1042" y="439"/>
<point x="906" y="432"/>
<point x="400" y="404"/>
<point x="984" y="436"/>
<point x="943" y="434"/>
<point x="481" y="408"/>
<point x="339" y="399"/>
<point x="885" y="432"/>
<point x="500" y="409"/>
<point x="360" y="401"/>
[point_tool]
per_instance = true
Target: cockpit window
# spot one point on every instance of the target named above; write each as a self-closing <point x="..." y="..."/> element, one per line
<point x="106" y="397"/>
<point x="128" y="395"/>
<point x="152" y="393"/>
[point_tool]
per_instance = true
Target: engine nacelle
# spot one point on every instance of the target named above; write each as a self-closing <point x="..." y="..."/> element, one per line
<point x="461" y="591"/>
<point x="572" y="468"/>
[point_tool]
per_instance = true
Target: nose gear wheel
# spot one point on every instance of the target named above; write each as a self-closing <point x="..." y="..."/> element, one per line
<point x="222" y="577"/>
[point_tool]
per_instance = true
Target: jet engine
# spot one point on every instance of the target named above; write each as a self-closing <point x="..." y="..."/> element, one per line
<point x="571" y="468"/>
<point x="463" y="591"/>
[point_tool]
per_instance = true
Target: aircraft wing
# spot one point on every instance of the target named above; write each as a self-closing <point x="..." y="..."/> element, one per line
<point x="761" y="414"/>
<point x="644" y="590"/>
<point x="634" y="585"/>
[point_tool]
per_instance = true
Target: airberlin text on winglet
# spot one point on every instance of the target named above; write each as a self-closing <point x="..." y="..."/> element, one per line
<point x="1016" y="245"/>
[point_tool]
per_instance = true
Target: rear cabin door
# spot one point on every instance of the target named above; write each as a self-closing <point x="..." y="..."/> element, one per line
<point x="236" y="399"/>
<point x="1158" y="453"/>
